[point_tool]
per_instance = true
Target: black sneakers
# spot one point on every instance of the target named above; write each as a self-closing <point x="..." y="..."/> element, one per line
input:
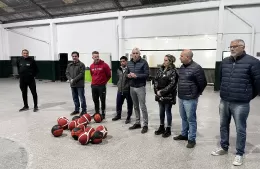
<point x="161" y="130"/>
<point x="135" y="126"/>
<point x="74" y="113"/>
<point x="144" y="130"/>
<point x="191" y="144"/>
<point x="24" y="108"/>
<point x="35" y="109"/>
<point x="180" y="137"/>
<point x="167" y="132"/>
<point x="116" y="118"/>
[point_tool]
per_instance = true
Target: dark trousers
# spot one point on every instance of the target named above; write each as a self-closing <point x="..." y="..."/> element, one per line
<point x="79" y="92"/>
<point x="99" y="92"/>
<point x="24" y="84"/>
<point x="165" y="108"/>
<point x="121" y="96"/>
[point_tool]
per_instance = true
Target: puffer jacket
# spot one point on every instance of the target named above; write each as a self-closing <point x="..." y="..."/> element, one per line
<point x="192" y="81"/>
<point x="166" y="81"/>
<point x="123" y="81"/>
<point x="240" y="78"/>
<point x="76" y="71"/>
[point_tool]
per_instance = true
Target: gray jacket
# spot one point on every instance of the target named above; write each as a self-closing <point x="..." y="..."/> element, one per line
<point x="76" y="71"/>
<point x="123" y="81"/>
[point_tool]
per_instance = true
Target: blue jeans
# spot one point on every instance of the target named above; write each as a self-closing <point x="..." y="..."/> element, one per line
<point x="79" y="92"/>
<point x="188" y="115"/>
<point x="240" y="112"/>
<point x="165" y="108"/>
<point x="121" y="96"/>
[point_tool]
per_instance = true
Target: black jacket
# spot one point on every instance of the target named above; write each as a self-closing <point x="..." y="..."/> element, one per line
<point x="192" y="81"/>
<point x="123" y="81"/>
<point x="76" y="71"/>
<point x="27" y="68"/>
<point x="141" y="69"/>
<point x="166" y="82"/>
<point x="240" y="78"/>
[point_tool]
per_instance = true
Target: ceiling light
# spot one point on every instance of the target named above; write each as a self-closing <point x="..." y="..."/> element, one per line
<point x="69" y="1"/>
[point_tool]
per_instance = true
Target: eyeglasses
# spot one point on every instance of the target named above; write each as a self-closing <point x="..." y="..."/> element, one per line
<point x="230" y="47"/>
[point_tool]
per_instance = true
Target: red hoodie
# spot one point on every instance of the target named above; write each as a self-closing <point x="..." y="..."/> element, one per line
<point x="100" y="73"/>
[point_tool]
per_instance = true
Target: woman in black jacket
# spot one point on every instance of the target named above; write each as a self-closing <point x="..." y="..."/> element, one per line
<point x="165" y="84"/>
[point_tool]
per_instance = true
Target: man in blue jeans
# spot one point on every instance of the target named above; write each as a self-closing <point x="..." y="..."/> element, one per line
<point x="123" y="91"/>
<point x="240" y="83"/>
<point x="75" y="73"/>
<point x="192" y="82"/>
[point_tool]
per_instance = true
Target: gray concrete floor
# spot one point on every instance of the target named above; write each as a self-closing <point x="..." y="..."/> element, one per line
<point x="26" y="140"/>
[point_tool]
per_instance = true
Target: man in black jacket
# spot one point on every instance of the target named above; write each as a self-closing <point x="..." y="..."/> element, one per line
<point x="240" y="83"/>
<point x="139" y="72"/>
<point x="192" y="82"/>
<point x="28" y="70"/>
<point x="75" y="73"/>
<point x="123" y="91"/>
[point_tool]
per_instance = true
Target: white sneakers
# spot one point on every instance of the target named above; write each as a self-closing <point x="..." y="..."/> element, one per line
<point x="220" y="151"/>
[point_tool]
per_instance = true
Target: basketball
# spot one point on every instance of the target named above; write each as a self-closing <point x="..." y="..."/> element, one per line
<point x="84" y="138"/>
<point x="90" y="130"/>
<point x="103" y="130"/>
<point x="82" y="126"/>
<point x="87" y="117"/>
<point x="72" y="124"/>
<point x="57" y="131"/>
<point x="96" y="137"/>
<point x="97" y="118"/>
<point x="82" y="120"/>
<point x="76" y="132"/>
<point x="75" y="117"/>
<point x="63" y="122"/>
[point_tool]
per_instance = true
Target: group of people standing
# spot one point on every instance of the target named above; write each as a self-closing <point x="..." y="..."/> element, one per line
<point x="239" y="79"/>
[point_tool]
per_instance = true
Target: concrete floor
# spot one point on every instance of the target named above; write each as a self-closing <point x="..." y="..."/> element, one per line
<point x="26" y="140"/>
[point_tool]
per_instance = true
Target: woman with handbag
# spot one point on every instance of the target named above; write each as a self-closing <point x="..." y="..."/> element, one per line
<point x="165" y="89"/>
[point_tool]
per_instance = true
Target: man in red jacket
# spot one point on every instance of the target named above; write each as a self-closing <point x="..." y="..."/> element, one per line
<point x="100" y="72"/>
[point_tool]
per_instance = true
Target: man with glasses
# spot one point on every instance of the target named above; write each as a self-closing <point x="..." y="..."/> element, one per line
<point x="138" y="74"/>
<point x="75" y="73"/>
<point x="123" y="91"/>
<point x="240" y="83"/>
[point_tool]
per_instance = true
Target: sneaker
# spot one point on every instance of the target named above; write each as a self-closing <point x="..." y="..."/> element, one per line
<point x="35" y="109"/>
<point x="116" y="118"/>
<point x="180" y="137"/>
<point x="191" y="144"/>
<point x="238" y="160"/>
<point x="135" y="126"/>
<point x="74" y="113"/>
<point x="82" y="113"/>
<point x="103" y="116"/>
<point x="219" y="151"/>
<point x="144" y="130"/>
<point x="24" y="108"/>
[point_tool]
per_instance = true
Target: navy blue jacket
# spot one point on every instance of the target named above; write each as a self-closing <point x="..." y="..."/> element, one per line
<point x="192" y="81"/>
<point x="141" y="69"/>
<point x="240" y="78"/>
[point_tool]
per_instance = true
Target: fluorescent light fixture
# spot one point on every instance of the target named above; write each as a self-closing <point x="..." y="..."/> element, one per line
<point x="2" y="5"/>
<point x="69" y="1"/>
<point x="5" y="7"/>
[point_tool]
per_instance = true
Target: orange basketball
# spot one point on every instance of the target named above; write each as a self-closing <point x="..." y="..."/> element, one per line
<point x="76" y="132"/>
<point x="82" y="120"/>
<point x="98" y="118"/>
<point x="82" y="126"/>
<point x="87" y="117"/>
<point x="103" y="130"/>
<point x="57" y="131"/>
<point x="90" y="130"/>
<point x="72" y="124"/>
<point x="84" y="138"/>
<point x="63" y="122"/>
<point x="96" y="137"/>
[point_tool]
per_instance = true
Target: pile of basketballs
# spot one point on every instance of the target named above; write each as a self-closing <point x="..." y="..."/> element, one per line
<point x="80" y="130"/>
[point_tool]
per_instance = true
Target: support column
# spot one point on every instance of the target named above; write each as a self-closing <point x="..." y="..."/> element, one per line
<point x="121" y="46"/>
<point x="53" y="48"/>
<point x="1" y="43"/>
<point x="220" y="31"/>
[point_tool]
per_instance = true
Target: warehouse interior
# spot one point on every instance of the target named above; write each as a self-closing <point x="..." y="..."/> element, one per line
<point x="52" y="29"/>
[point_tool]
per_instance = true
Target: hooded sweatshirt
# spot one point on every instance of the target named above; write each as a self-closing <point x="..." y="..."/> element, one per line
<point x="100" y="73"/>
